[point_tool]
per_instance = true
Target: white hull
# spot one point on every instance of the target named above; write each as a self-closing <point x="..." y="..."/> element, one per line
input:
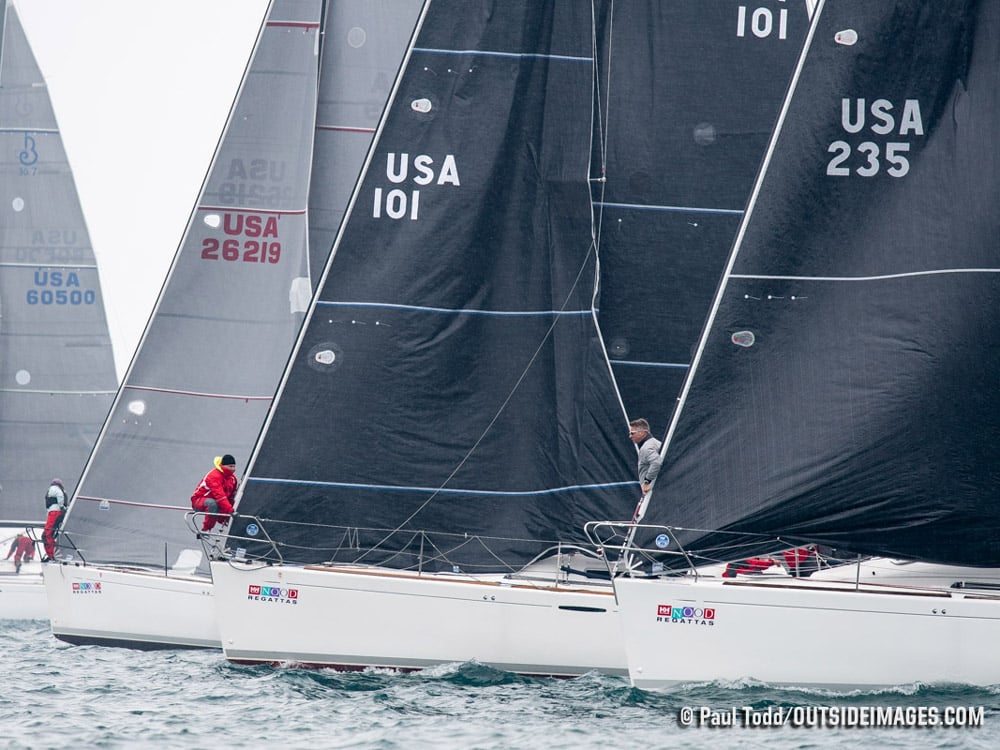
<point x="22" y="595"/>
<point x="352" y="618"/>
<point x="132" y="608"/>
<point x="807" y="633"/>
<point x="910" y="573"/>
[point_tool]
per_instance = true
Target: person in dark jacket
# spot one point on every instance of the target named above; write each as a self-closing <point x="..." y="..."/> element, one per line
<point x="216" y="491"/>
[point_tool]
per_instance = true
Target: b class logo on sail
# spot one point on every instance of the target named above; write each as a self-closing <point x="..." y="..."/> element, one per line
<point x="399" y="202"/>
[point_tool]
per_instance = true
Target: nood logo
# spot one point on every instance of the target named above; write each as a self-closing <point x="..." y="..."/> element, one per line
<point x="685" y="615"/>
<point x="272" y="594"/>
<point x="86" y="588"/>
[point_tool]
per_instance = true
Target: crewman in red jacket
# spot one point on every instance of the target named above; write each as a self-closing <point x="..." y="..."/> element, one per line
<point x="216" y="492"/>
<point x="23" y="548"/>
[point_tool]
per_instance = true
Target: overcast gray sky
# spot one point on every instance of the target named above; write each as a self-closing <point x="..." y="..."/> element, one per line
<point x="141" y="91"/>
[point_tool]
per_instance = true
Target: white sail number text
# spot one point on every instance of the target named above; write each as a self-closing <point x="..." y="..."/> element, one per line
<point x="760" y="22"/>
<point x="400" y="202"/>
<point x="880" y="119"/>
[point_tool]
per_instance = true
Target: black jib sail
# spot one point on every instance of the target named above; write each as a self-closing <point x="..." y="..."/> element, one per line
<point x="845" y="391"/>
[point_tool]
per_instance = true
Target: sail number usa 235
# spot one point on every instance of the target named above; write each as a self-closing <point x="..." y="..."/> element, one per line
<point x="888" y="127"/>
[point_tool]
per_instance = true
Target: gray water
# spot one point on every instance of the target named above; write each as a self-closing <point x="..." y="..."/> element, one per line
<point x="58" y="696"/>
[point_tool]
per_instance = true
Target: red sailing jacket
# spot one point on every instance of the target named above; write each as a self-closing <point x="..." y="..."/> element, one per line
<point x="220" y="483"/>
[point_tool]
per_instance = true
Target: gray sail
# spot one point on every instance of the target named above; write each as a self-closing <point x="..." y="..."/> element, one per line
<point x="363" y="42"/>
<point x="210" y="358"/>
<point x="57" y="372"/>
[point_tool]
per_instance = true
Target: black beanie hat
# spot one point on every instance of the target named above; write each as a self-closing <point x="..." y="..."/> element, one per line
<point x="228" y="460"/>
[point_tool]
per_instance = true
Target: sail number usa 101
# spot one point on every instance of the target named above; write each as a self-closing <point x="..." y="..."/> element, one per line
<point x="889" y="128"/>
<point x="761" y="22"/>
<point x="399" y="202"/>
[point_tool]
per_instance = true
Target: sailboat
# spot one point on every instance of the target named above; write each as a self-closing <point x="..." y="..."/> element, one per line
<point x="450" y="417"/>
<point x="57" y="371"/>
<point x="843" y="393"/>
<point x="130" y="571"/>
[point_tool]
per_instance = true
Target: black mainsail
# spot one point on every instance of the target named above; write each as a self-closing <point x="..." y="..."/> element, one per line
<point x="689" y="94"/>
<point x="57" y="371"/>
<point x="845" y="391"/>
<point x="450" y="402"/>
<point x="451" y="374"/>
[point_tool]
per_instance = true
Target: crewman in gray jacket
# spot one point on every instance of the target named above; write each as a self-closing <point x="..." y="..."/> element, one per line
<point x="649" y="452"/>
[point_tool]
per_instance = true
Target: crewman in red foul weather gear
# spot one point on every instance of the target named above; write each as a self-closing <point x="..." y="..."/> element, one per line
<point x="216" y="492"/>
<point x="55" y="505"/>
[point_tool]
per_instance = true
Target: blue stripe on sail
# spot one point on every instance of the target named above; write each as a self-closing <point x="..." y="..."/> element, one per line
<point x="56" y="264"/>
<point x="881" y="277"/>
<point x="441" y="490"/>
<point x="636" y="363"/>
<point x="43" y="131"/>
<point x="460" y="311"/>
<point x="678" y="209"/>
<point x="495" y="53"/>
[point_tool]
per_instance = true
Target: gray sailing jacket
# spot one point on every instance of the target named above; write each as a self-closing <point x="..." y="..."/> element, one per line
<point x="649" y="460"/>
